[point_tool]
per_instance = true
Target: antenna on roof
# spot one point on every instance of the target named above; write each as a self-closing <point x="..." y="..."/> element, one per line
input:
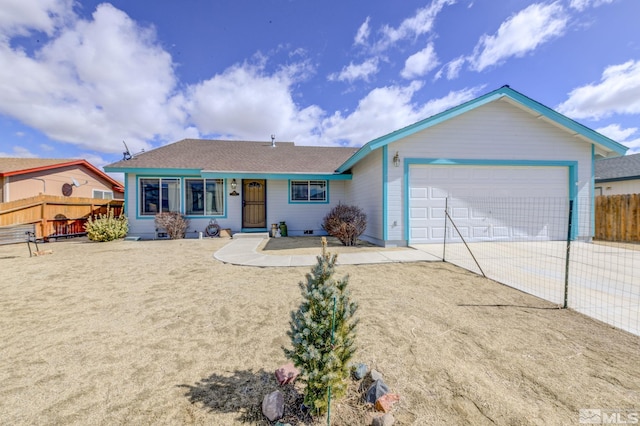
<point x="273" y="141"/>
<point x="126" y="155"/>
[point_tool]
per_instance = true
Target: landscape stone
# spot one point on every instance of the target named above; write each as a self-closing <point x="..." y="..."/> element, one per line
<point x="376" y="375"/>
<point x="375" y="391"/>
<point x="360" y="371"/>
<point x="273" y="405"/>
<point x="384" y="420"/>
<point x="286" y="374"/>
<point x="386" y="401"/>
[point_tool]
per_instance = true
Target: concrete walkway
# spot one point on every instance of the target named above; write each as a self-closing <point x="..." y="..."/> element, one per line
<point x="242" y="250"/>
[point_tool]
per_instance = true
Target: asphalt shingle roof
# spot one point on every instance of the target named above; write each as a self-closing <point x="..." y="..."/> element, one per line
<point x="240" y="156"/>
<point x="627" y="166"/>
<point x="11" y="164"/>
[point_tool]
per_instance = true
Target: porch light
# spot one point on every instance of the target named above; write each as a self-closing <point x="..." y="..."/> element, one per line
<point x="234" y="185"/>
<point x="396" y="160"/>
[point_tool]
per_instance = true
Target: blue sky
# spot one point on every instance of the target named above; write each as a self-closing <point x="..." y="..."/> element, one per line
<point x="79" y="77"/>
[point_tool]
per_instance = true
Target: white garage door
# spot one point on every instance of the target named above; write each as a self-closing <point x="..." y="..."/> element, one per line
<point x="487" y="203"/>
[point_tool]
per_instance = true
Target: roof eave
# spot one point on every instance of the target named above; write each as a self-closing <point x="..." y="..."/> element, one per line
<point x="604" y="143"/>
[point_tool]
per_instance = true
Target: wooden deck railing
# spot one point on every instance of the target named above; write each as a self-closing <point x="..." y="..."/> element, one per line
<point x="54" y="216"/>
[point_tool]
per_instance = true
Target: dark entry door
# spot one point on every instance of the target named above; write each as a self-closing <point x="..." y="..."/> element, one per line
<point x="254" y="211"/>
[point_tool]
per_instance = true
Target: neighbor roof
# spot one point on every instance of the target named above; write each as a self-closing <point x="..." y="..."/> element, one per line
<point x="619" y="168"/>
<point x="605" y="145"/>
<point x="12" y="166"/>
<point x="238" y="157"/>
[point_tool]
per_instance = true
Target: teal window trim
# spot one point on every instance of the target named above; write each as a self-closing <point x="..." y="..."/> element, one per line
<point x="182" y="198"/>
<point x="572" y="167"/>
<point x="225" y="192"/>
<point x="385" y="191"/>
<point x="325" y="201"/>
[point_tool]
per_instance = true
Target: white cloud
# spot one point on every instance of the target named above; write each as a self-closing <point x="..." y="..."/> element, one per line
<point x="421" y="23"/>
<point x="623" y="136"/>
<point x="96" y="83"/>
<point x="21" y="17"/>
<point x="363" y="33"/>
<point x="420" y="63"/>
<point x="618" y="92"/>
<point x="245" y="103"/>
<point x="353" y="72"/>
<point x="520" y="34"/>
<point x="386" y="109"/>
<point x="583" y="4"/>
<point x="452" y="69"/>
<point x="18" y="151"/>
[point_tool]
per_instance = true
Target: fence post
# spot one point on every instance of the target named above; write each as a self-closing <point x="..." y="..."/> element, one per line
<point x="444" y="242"/>
<point x="566" y="262"/>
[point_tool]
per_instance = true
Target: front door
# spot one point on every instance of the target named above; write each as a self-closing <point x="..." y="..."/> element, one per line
<point x="254" y="211"/>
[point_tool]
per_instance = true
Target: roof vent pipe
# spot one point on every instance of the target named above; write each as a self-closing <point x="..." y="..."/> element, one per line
<point x="273" y="141"/>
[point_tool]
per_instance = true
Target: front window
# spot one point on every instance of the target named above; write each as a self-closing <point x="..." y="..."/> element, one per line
<point x="159" y="195"/>
<point x="204" y="197"/>
<point x="309" y="190"/>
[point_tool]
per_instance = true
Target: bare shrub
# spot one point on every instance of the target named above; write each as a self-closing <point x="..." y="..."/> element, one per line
<point x="346" y="223"/>
<point x="174" y="223"/>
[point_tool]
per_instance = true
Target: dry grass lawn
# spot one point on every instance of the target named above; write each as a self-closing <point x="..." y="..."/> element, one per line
<point x="159" y="332"/>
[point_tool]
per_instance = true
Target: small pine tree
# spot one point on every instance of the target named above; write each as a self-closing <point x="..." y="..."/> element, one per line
<point x="323" y="358"/>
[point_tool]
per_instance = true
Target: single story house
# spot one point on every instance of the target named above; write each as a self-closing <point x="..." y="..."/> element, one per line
<point x="502" y="144"/>
<point x="618" y="175"/>
<point x="27" y="177"/>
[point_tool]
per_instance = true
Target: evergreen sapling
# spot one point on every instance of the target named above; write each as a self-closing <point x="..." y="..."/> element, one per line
<point x="323" y="365"/>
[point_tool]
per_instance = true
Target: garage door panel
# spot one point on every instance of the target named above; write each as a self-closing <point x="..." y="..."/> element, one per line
<point x="473" y="192"/>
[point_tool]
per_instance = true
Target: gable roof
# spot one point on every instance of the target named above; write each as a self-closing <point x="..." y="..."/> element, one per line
<point x="13" y="166"/>
<point x="220" y="156"/>
<point x="605" y="145"/>
<point x="619" y="168"/>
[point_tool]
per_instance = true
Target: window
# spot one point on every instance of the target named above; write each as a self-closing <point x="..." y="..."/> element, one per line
<point x="105" y="195"/>
<point x="159" y="195"/>
<point x="309" y="190"/>
<point x="204" y="197"/>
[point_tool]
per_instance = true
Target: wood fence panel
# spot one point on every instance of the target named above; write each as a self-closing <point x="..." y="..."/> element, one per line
<point x="618" y="218"/>
<point x="54" y="215"/>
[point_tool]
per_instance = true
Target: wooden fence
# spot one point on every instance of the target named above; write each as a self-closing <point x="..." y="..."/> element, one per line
<point x="54" y="216"/>
<point x="618" y="218"/>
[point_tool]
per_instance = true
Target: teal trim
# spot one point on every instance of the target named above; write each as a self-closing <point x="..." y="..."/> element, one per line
<point x="572" y="167"/>
<point x="328" y="191"/>
<point x="182" y="198"/>
<point x="126" y="195"/>
<point x="250" y="230"/>
<point x="503" y="92"/>
<point x="274" y="176"/>
<point x="385" y="184"/>
<point x="592" y="191"/>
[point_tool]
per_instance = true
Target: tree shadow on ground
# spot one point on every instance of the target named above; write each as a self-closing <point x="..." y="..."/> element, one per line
<point x="242" y="392"/>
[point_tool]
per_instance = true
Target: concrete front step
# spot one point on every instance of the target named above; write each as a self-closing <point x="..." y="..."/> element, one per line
<point x="261" y="235"/>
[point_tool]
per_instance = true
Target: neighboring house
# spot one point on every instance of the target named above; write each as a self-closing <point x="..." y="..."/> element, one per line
<point x="27" y="177"/>
<point x="619" y="175"/>
<point x="502" y="144"/>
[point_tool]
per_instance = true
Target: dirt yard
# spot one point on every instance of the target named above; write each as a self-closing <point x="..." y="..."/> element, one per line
<point x="159" y="332"/>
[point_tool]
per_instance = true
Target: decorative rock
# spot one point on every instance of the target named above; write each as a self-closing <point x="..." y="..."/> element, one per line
<point x="386" y="401"/>
<point x="384" y="420"/>
<point x="376" y="375"/>
<point x="273" y="405"/>
<point x="360" y="371"/>
<point x="287" y="374"/>
<point x="375" y="391"/>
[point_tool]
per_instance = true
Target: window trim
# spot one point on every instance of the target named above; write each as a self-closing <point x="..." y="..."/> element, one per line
<point x="140" y="212"/>
<point x="309" y="200"/>
<point x="222" y="184"/>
